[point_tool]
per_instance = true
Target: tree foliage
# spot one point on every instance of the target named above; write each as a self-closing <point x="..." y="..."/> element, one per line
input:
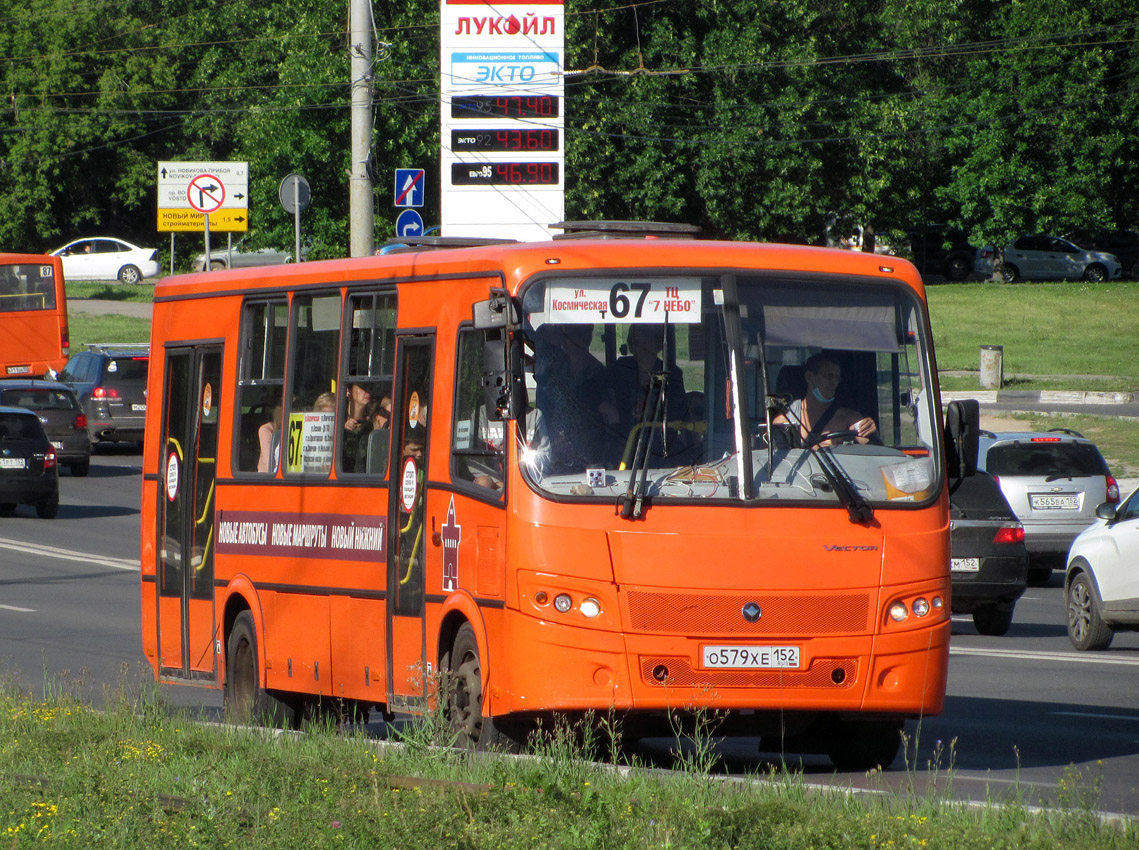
<point x="753" y="118"/>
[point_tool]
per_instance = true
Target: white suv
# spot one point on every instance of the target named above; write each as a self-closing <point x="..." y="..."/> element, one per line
<point x="1101" y="587"/>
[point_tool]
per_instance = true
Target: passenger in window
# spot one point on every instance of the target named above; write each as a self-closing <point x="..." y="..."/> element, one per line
<point x="357" y="423"/>
<point x="325" y="403"/>
<point x="819" y="412"/>
<point x="576" y="398"/>
<point x="268" y="442"/>
<point x="632" y="378"/>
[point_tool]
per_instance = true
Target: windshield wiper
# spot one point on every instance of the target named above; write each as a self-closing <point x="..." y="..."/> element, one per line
<point x="632" y="503"/>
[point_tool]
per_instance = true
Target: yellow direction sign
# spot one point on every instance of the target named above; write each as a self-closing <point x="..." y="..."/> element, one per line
<point x="190" y="221"/>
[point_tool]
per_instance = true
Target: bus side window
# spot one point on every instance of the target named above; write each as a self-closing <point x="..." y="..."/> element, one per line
<point x="310" y="436"/>
<point x="478" y="444"/>
<point x="261" y="386"/>
<point x="367" y="366"/>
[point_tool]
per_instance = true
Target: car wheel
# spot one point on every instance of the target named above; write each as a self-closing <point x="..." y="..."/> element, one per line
<point x="217" y="265"/>
<point x="462" y="671"/>
<point x="957" y="268"/>
<point x="47" y="509"/>
<point x="7" y="507"/>
<point x="245" y="700"/>
<point x="864" y="744"/>
<point x="1086" y="628"/>
<point x="1039" y="576"/>
<point x="993" y="620"/>
<point x="1009" y="272"/>
<point x="130" y="274"/>
<point x="81" y="468"/>
<point x="1095" y="273"/>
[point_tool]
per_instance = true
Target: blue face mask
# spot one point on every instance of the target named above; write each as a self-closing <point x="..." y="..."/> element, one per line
<point x="819" y="396"/>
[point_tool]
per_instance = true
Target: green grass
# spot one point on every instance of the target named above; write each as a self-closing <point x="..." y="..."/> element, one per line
<point x="110" y="291"/>
<point x="87" y="327"/>
<point x="1052" y="334"/>
<point x="135" y="776"/>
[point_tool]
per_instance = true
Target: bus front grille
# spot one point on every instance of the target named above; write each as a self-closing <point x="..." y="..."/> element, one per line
<point x="798" y="615"/>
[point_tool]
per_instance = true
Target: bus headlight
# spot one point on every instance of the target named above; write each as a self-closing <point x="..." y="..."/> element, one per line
<point x="590" y="607"/>
<point x="921" y="606"/>
<point x="899" y="612"/>
<point x="562" y="602"/>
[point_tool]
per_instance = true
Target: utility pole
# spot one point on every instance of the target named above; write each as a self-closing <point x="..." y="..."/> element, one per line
<point x="361" y="201"/>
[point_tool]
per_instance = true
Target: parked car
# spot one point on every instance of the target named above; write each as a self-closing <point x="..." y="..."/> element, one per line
<point x="29" y="474"/>
<point x="61" y="415"/>
<point x="1101" y="586"/>
<point x="1124" y="244"/>
<point x="110" y="381"/>
<point x="242" y="256"/>
<point x="989" y="562"/>
<point x="942" y="250"/>
<point x="1049" y="258"/>
<point x="107" y="258"/>
<point x="1053" y="481"/>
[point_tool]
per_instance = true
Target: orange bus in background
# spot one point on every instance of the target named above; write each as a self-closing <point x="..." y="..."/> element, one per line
<point x="33" y="316"/>
<point x="535" y="478"/>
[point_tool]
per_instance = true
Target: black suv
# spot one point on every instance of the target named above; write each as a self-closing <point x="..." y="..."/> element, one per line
<point x="29" y="474"/>
<point x="941" y="250"/>
<point x="989" y="561"/>
<point x="110" y="380"/>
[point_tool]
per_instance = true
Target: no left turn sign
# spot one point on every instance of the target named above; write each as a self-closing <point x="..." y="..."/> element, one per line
<point x="206" y="193"/>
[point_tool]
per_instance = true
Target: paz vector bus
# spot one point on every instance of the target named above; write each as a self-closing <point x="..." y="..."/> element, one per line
<point x="549" y="478"/>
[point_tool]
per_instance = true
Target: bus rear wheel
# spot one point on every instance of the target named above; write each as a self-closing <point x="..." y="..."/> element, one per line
<point x="864" y="744"/>
<point x="463" y="681"/>
<point x="245" y="700"/>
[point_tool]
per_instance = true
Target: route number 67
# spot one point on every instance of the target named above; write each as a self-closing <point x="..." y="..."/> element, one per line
<point x="619" y="304"/>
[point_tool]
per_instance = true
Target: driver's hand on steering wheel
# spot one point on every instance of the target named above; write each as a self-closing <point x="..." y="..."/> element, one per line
<point x="864" y="427"/>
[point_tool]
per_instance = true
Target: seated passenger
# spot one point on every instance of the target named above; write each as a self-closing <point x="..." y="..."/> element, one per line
<point x="632" y="377"/>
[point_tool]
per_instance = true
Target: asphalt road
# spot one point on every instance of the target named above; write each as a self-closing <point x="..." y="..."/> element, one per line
<point x="1027" y="716"/>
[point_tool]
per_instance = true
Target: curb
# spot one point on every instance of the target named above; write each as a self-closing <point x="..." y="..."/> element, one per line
<point x="1043" y="396"/>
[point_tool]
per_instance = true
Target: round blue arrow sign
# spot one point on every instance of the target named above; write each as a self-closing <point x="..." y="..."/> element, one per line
<point x="409" y="223"/>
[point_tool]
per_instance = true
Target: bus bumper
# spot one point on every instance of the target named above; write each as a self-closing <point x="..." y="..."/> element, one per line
<point x="563" y="668"/>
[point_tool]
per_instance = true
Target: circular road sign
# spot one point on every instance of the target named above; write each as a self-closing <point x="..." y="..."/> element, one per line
<point x="206" y="193"/>
<point x="294" y="193"/>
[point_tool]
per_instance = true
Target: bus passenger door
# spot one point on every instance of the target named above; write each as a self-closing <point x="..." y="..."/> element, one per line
<point x="407" y="513"/>
<point x="186" y="513"/>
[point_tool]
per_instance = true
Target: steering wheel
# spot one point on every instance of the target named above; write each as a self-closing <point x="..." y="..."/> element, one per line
<point x="839" y="437"/>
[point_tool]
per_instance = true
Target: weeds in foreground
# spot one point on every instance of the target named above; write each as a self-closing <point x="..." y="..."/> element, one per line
<point x="136" y="776"/>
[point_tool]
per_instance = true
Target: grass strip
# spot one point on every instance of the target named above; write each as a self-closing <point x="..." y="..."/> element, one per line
<point x="136" y="776"/>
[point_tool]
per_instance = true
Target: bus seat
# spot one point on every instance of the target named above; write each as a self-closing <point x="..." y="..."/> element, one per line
<point x="378" y="441"/>
<point x="791" y="381"/>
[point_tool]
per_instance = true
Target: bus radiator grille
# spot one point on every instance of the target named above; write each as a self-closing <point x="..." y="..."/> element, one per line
<point x="822" y="674"/>
<point x="719" y="614"/>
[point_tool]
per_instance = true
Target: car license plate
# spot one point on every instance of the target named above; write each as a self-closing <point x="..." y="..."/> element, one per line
<point x="141" y="408"/>
<point x="1041" y="502"/>
<point x="13" y="463"/>
<point x="19" y="370"/>
<point x="57" y="446"/>
<point x="965" y="565"/>
<point x="752" y="657"/>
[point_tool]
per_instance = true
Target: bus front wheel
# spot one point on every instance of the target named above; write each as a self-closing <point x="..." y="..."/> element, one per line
<point x="245" y="700"/>
<point x="463" y="676"/>
<point x="856" y="745"/>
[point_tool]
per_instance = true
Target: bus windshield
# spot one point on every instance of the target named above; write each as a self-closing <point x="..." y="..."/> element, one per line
<point x="752" y="388"/>
<point x="26" y="286"/>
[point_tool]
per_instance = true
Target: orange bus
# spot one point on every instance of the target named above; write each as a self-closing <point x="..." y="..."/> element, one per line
<point x="34" y="337"/>
<point x="534" y="478"/>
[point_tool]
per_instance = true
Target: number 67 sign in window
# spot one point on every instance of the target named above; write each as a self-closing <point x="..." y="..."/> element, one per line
<point x="631" y="301"/>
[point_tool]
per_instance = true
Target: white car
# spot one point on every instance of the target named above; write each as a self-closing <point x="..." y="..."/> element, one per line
<point x="107" y="258"/>
<point x="1049" y="258"/>
<point x="1101" y="588"/>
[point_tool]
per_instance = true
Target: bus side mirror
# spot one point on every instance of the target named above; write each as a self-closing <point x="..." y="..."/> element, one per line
<point x="962" y="437"/>
<point x="504" y="389"/>
<point x="492" y="313"/>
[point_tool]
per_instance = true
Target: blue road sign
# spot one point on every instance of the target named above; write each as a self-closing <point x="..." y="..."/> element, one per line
<point x="409" y="187"/>
<point x="409" y="223"/>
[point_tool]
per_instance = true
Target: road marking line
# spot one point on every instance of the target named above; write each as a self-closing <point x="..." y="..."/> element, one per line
<point x="16" y="608"/>
<point x="1132" y="718"/>
<point x="69" y="555"/>
<point x="1082" y="658"/>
